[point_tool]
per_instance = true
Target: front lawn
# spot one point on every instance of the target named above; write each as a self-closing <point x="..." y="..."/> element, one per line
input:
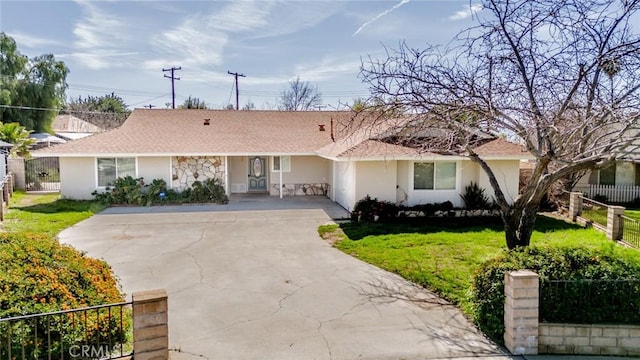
<point x="634" y="214"/>
<point x="444" y="257"/>
<point x="46" y="213"/>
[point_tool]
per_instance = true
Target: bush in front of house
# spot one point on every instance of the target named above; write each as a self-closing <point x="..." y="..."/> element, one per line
<point x="474" y="197"/>
<point x="134" y="191"/>
<point x="369" y="210"/>
<point x="574" y="302"/>
<point x="39" y="275"/>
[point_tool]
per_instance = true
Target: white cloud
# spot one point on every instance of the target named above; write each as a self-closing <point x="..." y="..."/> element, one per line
<point x="23" y="39"/>
<point x="98" y="29"/>
<point x="99" y="60"/>
<point x="328" y="68"/>
<point x="402" y="2"/>
<point x="466" y="12"/>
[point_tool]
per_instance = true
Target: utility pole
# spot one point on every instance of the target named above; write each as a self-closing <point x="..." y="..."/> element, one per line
<point x="237" y="92"/>
<point x="149" y="106"/>
<point x="173" y="79"/>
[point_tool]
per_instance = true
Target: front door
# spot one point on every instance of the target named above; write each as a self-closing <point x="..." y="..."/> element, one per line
<point x="257" y="173"/>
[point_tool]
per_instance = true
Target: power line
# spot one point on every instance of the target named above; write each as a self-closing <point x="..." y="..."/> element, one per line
<point x="235" y="74"/>
<point x="173" y="79"/>
<point x="54" y="109"/>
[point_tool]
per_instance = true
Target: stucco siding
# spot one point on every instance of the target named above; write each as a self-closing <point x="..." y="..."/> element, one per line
<point x="507" y="173"/>
<point x="151" y="168"/>
<point x="377" y="179"/>
<point x="77" y="177"/>
<point x="402" y="192"/>
<point x="424" y="196"/>
<point x="304" y="170"/>
<point x="344" y="174"/>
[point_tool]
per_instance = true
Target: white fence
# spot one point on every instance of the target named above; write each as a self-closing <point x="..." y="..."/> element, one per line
<point x="615" y="194"/>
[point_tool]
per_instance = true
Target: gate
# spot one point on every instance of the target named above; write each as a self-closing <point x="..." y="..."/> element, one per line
<point x="42" y="174"/>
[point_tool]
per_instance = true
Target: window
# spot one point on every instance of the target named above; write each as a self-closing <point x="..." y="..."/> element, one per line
<point x="434" y="176"/>
<point x="278" y="160"/>
<point x="608" y="175"/>
<point x="109" y="169"/>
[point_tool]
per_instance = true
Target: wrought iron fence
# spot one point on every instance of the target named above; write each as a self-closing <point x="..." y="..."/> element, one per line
<point x="42" y="174"/>
<point x="630" y="231"/>
<point x="590" y="301"/>
<point x="594" y="211"/>
<point x="98" y="332"/>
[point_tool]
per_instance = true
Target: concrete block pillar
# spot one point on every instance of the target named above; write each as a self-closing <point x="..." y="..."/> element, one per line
<point x="150" y="325"/>
<point x="614" y="228"/>
<point x="575" y="205"/>
<point x="521" y="290"/>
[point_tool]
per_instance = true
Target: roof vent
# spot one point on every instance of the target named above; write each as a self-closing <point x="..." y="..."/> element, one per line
<point x="321" y="126"/>
<point x="206" y="121"/>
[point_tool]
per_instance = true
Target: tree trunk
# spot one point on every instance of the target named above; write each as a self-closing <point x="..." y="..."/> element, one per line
<point x="518" y="224"/>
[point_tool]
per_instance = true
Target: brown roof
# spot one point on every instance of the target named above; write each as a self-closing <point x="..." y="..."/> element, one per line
<point x="502" y="147"/>
<point x="229" y="132"/>
<point x="182" y="132"/>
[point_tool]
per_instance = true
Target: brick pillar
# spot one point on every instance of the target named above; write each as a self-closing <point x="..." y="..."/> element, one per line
<point x="521" y="312"/>
<point x="150" y="325"/>
<point x="614" y="230"/>
<point x="575" y="205"/>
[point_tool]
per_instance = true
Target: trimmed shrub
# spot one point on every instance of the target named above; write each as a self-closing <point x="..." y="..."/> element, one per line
<point x="559" y="305"/>
<point x="39" y="275"/>
<point x="369" y="210"/>
<point x="130" y="191"/>
<point x="474" y="197"/>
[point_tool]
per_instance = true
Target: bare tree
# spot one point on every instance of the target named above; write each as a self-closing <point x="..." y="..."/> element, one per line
<point x="562" y="77"/>
<point x="299" y="96"/>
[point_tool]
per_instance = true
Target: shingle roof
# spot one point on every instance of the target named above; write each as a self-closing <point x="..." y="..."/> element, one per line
<point x="229" y="132"/>
<point x="72" y="124"/>
<point x="182" y="132"/>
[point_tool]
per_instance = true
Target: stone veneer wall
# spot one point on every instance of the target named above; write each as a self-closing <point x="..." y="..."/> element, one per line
<point x="187" y="169"/>
<point x="621" y="340"/>
<point x="299" y="189"/>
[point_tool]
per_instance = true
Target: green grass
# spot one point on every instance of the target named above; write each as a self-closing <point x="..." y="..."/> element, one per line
<point x="634" y="214"/>
<point x="46" y="213"/>
<point x="444" y="257"/>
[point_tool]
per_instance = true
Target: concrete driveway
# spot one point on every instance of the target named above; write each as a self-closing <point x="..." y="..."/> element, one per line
<point x="261" y="284"/>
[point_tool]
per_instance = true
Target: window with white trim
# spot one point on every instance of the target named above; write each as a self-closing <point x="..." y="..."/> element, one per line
<point x="109" y="169"/>
<point x="277" y="161"/>
<point x="434" y="175"/>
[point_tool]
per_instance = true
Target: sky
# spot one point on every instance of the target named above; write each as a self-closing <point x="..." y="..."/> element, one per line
<point x="122" y="46"/>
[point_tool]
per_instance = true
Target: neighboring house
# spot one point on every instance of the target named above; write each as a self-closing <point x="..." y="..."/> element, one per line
<point x="276" y="152"/>
<point x="70" y="127"/>
<point x="619" y="182"/>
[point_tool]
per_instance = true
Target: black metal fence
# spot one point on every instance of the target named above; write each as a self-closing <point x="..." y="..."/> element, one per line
<point x="98" y="332"/>
<point x="588" y="301"/>
<point x="595" y="211"/>
<point x="42" y="174"/>
<point x="630" y="231"/>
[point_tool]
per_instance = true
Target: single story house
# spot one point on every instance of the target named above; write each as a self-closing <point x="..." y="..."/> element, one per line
<point x="70" y="127"/>
<point x="277" y="152"/>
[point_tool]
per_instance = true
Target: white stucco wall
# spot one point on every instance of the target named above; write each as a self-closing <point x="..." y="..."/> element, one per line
<point x="77" y="177"/>
<point x="507" y="173"/>
<point x="345" y="187"/>
<point x="304" y="170"/>
<point x="156" y="167"/>
<point x="376" y="179"/>
<point x="402" y="192"/>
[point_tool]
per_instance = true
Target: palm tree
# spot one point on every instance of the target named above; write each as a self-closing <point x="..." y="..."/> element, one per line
<point x="16" y="134"/>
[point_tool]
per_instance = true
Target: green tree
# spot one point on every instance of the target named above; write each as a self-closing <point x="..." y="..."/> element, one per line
<point x="16" y="134"/>
<point x="193" y="103"/>
<point x="32" y="90"/>
<point x="108" y="111"/>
